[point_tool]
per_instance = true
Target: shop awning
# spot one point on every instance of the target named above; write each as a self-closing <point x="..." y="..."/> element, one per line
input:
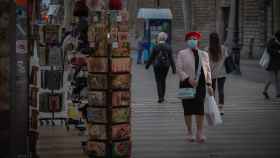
<point x="53" y="10"/>
<point x="153" y="13"/>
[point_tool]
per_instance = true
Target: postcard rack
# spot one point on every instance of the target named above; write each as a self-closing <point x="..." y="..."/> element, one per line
<point x="109" y="66"/>
<point x="51" y="71"/>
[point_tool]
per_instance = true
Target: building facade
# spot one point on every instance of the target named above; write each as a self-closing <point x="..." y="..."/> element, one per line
<point x="258" y="20"/>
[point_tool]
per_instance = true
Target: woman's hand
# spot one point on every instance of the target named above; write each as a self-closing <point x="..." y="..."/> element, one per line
<point x="193" y="82"/>
<point x="210" y="91"/>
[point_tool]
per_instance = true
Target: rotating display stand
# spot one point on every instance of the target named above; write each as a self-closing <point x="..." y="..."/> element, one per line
<point x="109" y="66"/>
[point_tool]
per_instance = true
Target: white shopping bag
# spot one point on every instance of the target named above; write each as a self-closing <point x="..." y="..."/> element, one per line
<point x="212" y="113"/>
<point x="265" y="59"/>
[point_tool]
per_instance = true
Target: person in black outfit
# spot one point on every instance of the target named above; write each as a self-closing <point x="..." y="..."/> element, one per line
<point x="273" y="49"/>
<point x="162" y="59"/>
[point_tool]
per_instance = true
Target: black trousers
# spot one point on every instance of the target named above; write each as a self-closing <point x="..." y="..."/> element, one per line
<point x="221" y="83"/>
<point x="160" y="76"/>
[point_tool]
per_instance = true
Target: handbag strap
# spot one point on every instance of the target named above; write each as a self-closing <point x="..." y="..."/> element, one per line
<point x="198" y="73"/>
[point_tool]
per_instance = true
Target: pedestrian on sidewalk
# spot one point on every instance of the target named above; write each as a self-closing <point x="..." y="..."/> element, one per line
<point x="273" y="49"/>
<point x="188" y="65"/>
<point x="218" y="54"/>
<point x="162" y="59"/>
<point x="140" y="49"/>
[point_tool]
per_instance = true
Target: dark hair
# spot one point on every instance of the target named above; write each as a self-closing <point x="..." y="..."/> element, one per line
<point x="215" y="50"/>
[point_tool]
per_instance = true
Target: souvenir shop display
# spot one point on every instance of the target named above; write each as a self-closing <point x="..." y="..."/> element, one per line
<point x="109" y="82"/>
<point x="51" y="34"/>
<point x="51" y="74"/>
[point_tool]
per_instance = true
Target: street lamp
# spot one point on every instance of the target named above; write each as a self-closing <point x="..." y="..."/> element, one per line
<point x="235" y="40"/>
<point x="157" y="3"/>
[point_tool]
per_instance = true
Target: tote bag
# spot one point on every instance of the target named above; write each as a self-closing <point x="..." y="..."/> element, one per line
<point x="212" y="113"/>
<point x="265" y="59"/>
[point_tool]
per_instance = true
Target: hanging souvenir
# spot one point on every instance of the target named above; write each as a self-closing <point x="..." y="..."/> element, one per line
<point x="96" y="5"/>
<point x="80" y="8"/>
<point x="115" y="4"/>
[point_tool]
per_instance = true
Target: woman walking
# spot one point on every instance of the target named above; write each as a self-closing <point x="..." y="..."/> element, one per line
<point x="189" y="62"/>
<point x="218" y="55"/>
<point x="273" y="49"/>
<point x="162" y="59"/>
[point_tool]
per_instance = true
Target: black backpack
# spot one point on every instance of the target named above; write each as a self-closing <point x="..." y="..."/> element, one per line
<point x="162" y="59"/>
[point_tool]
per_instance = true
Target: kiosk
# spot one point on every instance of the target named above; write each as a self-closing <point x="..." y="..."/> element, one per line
<point x="155" y="21"/>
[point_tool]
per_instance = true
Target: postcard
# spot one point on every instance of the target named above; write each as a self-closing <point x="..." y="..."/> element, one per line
<point x="120" y="99"/>
<point x="97" y="64"/>
<point x="97" y="98"/>
<point x="121" y="65"/>
<point x="98" y="81"/>
<point x="97" y="132"/>
<point x="96" y="148"/>
<point x="121" y="149"/>
<point x="96" y="115"/>
<point x="120" y="132"/>
<point x="120" y="115"/>
<point x="121" y="81"/>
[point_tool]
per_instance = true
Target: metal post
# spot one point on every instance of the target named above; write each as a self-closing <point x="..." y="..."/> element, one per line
<point x="157" y="3"/>
<point x="236" y="45"/>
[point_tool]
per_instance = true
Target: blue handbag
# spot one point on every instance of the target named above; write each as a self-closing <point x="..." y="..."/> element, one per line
<point x="190" y="93"/>
<point x="186" y="93"/>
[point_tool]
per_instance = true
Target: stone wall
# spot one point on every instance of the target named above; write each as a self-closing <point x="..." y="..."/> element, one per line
<point x="207" y="16"/>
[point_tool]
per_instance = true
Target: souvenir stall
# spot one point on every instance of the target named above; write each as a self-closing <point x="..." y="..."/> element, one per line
<point x="85" y="78"/>
<point x="5" y="78"/>
<point x="109" y="80"/>
<point x="34" y="69"/>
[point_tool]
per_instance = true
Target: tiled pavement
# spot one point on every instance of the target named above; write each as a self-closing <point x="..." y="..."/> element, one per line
<point x="251" y="125"/>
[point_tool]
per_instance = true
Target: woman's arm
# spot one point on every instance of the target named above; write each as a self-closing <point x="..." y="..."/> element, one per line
<point x="208" y="70"/>
<point x="179" y="67"/>
<point x="171" y="59"/>
<point x="152" y="57"/>
<point x="272" y="48"/>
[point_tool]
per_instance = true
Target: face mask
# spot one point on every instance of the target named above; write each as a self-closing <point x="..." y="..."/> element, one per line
<point x="192" y="43"/>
